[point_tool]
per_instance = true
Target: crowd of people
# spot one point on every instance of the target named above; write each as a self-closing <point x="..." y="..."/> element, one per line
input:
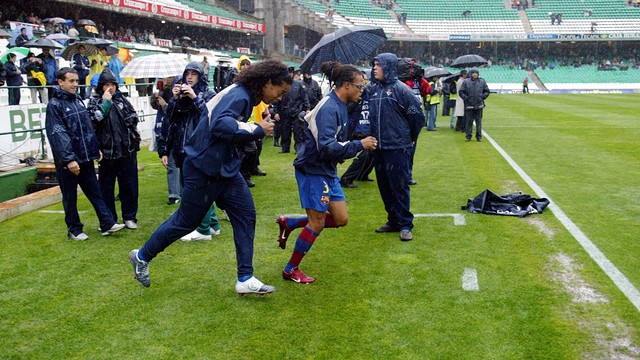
<point x="210" y="140"/>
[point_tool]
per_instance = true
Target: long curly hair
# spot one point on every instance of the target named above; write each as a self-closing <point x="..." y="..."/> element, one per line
<point x="257" y="76"/>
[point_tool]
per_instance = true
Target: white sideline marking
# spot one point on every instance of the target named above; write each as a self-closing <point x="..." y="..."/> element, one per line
<point x="470" y="280"/>
<point x="458" y="219"/>
<point x="59" y="211"/>
<point x="619" y="279"/>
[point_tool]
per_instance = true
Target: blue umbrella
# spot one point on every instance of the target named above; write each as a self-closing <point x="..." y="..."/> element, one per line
<point x="346" y="45"/>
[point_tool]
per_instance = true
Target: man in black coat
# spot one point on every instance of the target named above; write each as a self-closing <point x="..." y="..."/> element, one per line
<point x="474" y="91"/>
<point x="14" y="78"/>
<point x="294" y="104"/>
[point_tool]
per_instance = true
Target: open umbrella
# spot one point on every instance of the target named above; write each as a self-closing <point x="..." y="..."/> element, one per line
<point x="92" y="29"/>
<point x="100" y="43"/>
<point x="469" y="60"/>
<point x="58" y="37"/>
<point x="154" y="66"/>
<point x="4" y="34"/>
<point x="452" y="78"/>
<point x="72" y="49"/>
<point x="55" y="20"/>
<point x="346" y="45"/>
<point x="436" y="72"/>
<point x="86" y="22"/>
<point x="43" y="43"/>
<point x="21" y="53"/>
<point x="112" y="50"/>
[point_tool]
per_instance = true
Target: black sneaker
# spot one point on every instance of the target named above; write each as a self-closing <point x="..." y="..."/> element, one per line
<point x="386" y="228"/>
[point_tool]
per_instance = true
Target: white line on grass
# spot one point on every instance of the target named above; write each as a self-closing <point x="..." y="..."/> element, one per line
<point x="458" y="219"/>
<point x="470" y="280"/>
<point x="607" y="266"/>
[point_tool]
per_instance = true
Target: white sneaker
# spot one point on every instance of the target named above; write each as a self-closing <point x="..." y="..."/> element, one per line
<point x="214" y="232"/>
<point x="253" y="286"/>
<point x="114" y="228"/>
<point x="195" y="236"/>
<point x="130" y="224"/>
<point x="80" y="237"/>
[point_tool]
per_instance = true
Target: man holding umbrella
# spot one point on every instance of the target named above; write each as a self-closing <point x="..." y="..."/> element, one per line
<point x="81" y="65"/>
<point x="474" y="91"/>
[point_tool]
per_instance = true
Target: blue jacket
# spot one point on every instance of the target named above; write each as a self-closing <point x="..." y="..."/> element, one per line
<point x="50" y="69"/>
<point x="216" y="147"/>
<point x="69" y="129"/>
<point x="183" y="115"/>
<point x="325" y="141"/>
<point x="394" y="111"/>
<point x="78" y="60"/>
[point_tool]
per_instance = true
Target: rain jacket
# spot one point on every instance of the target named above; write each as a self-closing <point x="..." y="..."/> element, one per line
<point x="50" y="69"/>
<point x="314" y="92"/>
<point x="474" y="92"/>
<point x="294" y="101"/>
<point x="326" y="138"/>
<point x="78" y="60"/>
<point x="216" y="147"/>
<point x="69" y="129"/>
<point x="395" y="113"/>
<point x="115" y="120"/>
<point x="13" y="75"/>
<point x="183" y="115"/>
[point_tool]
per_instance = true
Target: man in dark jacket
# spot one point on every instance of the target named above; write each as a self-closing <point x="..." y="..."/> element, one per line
<point x="474" y="91"/>
<point x="81" y="65"/>
<point x="396" y="119"/>
<point x="116" y="121"/>
<point x="22" y="38"/>
<point x="314" y="92"/>
<point x="34" y="68"/>
<point x="50" y="70"/>
<point x="75" y="147"/>
<point x="290" y="113"/>
<point x="160" y="103"/>
<point x="190" y="96"/>
<point x="14" y="78"/>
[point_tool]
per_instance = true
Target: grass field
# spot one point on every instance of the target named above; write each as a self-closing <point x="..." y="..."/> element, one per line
<point x="540" y="294"/>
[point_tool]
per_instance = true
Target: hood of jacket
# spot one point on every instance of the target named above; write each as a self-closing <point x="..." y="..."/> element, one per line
<point x="107" y="76"/>
<point x="202" y="85"/>
<point x="389" y="64"/>
<point x="242" y="58"/>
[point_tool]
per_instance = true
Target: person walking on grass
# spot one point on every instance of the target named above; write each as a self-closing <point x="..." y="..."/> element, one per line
<point x="474" y="91"/>
<point x="116" y="121"/>
<point x="211" y="172"/>
<point x="325" y="145"/>
<point x="396" y="118"/>
<point x="75" y="146"/>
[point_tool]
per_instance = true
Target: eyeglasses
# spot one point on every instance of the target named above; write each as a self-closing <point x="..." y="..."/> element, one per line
<point x="359" y="86"/>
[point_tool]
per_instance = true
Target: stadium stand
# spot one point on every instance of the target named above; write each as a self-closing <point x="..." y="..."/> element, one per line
<point x="206" y="7"/>
<point x="610" y="16"/>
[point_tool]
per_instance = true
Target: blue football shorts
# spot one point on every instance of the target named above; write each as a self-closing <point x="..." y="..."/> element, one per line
<point x="316" y="191"/>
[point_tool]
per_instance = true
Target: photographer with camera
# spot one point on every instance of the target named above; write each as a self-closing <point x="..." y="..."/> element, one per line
<point x="159" y="101"/>
<point x="190" y="96"/>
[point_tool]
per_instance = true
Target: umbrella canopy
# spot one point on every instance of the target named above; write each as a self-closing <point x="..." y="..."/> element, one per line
<point x="346" y="45"/>
<point x="86" y="22"/>
<point x="72" y="49"/>
<point x="154" y="66"/>
<point x="112" y="50"/>
<point x="55" y="20"/>
<point x="469" y="60"/>
<point x="43" y="43"/>
<point x="21" y="53"/>
<point x="58" y="37"/>
<point x="437" y="72"/>
<point x="100" y="43"/>
<point x="92" y="29"/>
<point x="452" y="78"/>
<point x="4" y="34"/>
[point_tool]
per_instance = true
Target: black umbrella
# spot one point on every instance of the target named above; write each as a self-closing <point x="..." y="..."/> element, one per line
<point x="86" y="22"/>
<point x="97" y="42"/>
<point x="43" y="43"/>
<point x="346" y="45"/>
<point x="468" y="61"/>
<point x="112" y="50"/>
<point x="452" y="78"/>
<point x="436" y="72"/>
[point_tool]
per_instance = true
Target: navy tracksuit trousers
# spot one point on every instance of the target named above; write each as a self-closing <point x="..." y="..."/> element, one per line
<point x="393" y="175"/>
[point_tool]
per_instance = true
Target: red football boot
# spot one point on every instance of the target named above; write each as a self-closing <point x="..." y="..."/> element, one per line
<point x="297" y="276"/>
<point x="283" y="235"/>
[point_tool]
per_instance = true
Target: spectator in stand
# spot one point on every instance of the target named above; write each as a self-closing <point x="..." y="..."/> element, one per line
<point x="205" y="67"/>
<point x="116" y="65"/>
<point x="73" y="33"/>
<point x="14" y="79"/>
<point x="81" y="65"/>
<point x="34" y="68"/>
<point x="50" y="70"/>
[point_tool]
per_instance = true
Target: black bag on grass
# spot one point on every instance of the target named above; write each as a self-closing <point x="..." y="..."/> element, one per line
<point x="514" y="204"/>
